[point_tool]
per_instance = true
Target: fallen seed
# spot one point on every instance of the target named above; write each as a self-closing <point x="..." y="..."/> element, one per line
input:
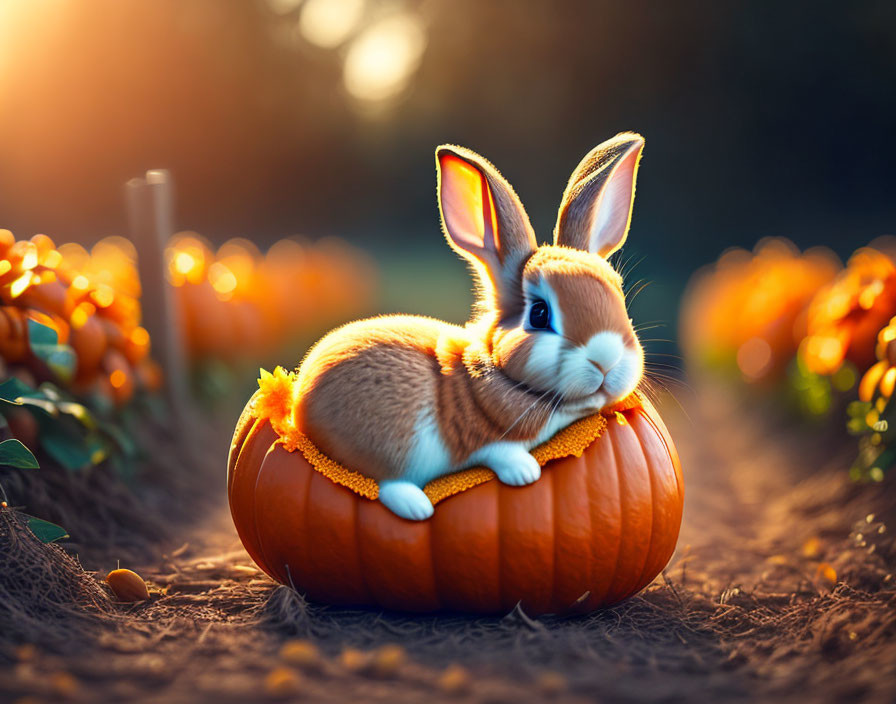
<point x="300" y="652"/>
<point x="282" y="682"/>
<point x="454" y="680"/>
<point x="388" y="660"/>
<point x="127" y="585"/>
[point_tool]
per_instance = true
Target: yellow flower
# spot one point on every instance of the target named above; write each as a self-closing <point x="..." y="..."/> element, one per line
<point x="276" y="397"/>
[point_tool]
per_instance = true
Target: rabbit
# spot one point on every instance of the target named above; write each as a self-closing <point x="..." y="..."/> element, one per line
<point x="405" y="399"/>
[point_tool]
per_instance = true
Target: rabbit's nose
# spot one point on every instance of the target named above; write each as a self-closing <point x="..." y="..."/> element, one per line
<point x="600" y="366"/>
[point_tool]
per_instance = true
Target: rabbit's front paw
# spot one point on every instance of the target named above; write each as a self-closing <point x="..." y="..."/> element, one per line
<point x="516" y="468"/>
<point x="406" y="500"/>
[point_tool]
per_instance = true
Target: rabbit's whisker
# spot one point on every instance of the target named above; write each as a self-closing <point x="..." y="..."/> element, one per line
<point x="521" y="415"/>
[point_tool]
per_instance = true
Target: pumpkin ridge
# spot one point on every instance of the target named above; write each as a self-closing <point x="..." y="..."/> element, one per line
<point x="499" y="586"/>
<point x="239" y="505"/>
<point x="653" y="507"/>
<point x="664" y="482"/>
<point x="593" y="573"/>
<point x="304" y="524"/>
<point x="620" y="484"/>
<point x="553" y="490"/>
<point x="662" y="433"/>
<point x="432" y="562"/>
<point x="365" y="587"/>
<point x="266" y="551"/>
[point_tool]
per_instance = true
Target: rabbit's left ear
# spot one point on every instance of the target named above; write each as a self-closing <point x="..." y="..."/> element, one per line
<point x="597" y="205"/>
<point x="482" y="217"/>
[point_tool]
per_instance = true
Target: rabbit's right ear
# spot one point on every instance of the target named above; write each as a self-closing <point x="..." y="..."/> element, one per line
<point x="481" y="215"/>
<point x="597" y="206"/>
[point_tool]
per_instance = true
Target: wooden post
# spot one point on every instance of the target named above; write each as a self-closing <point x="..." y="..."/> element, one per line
<point x="150" y="206"/>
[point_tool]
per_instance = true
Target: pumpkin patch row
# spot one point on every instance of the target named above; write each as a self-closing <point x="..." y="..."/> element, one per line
<point x="66" y="325"/>
<point x="238" y="303"/>
<point x="805" y="324"/>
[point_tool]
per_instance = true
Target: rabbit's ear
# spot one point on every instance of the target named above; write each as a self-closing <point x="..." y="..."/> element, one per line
<point x="597" y="205"/>
<point x="481" y="215"/>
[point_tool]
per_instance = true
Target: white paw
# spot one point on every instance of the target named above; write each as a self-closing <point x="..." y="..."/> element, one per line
<point x="406" y="500"/>
<point x="517" y="469"/>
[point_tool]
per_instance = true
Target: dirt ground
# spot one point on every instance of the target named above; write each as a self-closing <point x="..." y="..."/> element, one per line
<point x="781" y="590"/>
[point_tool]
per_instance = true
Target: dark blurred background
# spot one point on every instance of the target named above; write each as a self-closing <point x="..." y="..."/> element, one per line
<point x="320" y="117"/>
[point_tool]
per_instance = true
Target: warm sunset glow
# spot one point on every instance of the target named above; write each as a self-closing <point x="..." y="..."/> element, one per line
<point x="328" y="23"/>
<point x="383" y="58"/>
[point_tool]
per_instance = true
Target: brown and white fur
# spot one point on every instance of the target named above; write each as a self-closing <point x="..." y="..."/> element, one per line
<point x="405" y="399"/>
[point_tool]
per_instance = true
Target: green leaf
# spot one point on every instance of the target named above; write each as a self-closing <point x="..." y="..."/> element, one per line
<point x="44" y="343"/>
<point x="16" y="393"/>
<point x="45" y="531"/>
<point x="51" y="392"/>
<point x="64" y="440"/>
<point x="79" y="412"/>
<point x="40" y="334"/>
<point x="121" y="439"/>
<point x="14" y="454"/>
<point x="60" y="359"/>
<point x="12" y="390"/>
<point x="47" y="407"/>
<point x="70" y="453"/>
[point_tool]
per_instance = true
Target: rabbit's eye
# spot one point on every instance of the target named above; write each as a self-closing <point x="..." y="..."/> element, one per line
<point x="539" y="316"/>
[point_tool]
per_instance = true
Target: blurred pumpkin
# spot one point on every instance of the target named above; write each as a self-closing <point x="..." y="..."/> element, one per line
<point x="237" y="303"/>
<point x="845" y="317"/>
<point x="748" y="309"/>
<point x="597" y="527"/>
<point x="120" y="375"/>
<point x="88" y="339"/>
<point x="13" y="335"/>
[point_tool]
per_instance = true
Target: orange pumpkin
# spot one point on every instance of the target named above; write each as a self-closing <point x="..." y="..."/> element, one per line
<point x="846" y="315"/>
<point x="595" y="529"/>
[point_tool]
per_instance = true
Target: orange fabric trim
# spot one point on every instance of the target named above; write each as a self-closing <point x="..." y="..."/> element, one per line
<point x="572" y="441"/>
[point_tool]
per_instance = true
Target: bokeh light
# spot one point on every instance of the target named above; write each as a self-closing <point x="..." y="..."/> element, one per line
<point x="328" y="23"/>
<point x="382" y="60"/>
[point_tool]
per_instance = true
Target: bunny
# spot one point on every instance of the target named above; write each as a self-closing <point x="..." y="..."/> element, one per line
<point x="406" y="399"/>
